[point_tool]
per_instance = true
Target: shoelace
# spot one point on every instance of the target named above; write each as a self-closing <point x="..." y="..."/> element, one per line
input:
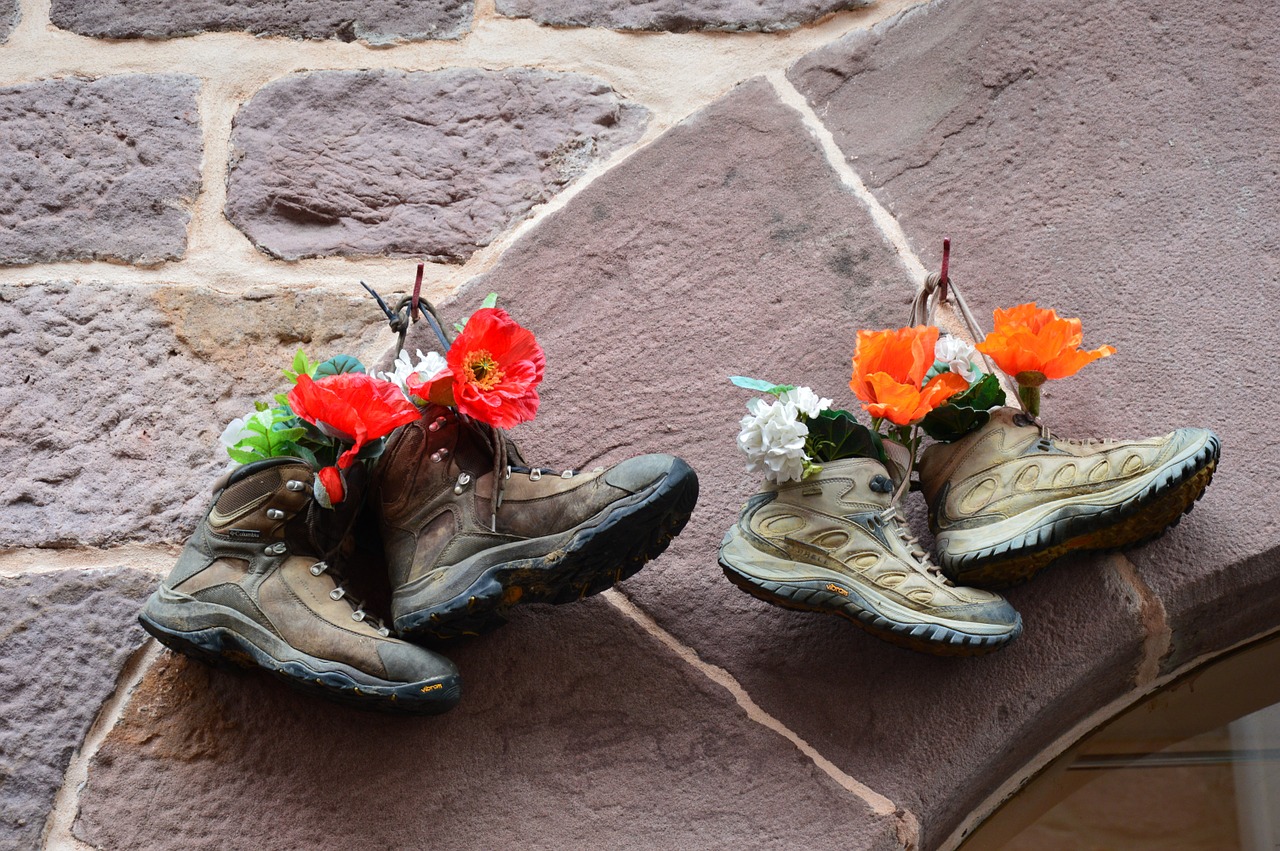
<point x="339" y="592"/>
<point x="893" y="516"/>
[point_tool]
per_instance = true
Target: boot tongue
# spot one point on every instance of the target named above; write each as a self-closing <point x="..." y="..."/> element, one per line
<point x="899" y="459"/>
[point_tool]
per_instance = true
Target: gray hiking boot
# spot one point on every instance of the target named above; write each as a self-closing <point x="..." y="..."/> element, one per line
<point x="254" y="588"/>
<point x="1008" y="499"/>
<point x="836" y="543"/>
<point x="469" y="530"/>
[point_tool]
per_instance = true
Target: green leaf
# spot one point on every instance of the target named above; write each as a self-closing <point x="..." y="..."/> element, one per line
<point x="372" y="449"/>
<point x="491" y="300"/>
<point x="243" y="456"/>
<point x="457" y="326"/>
<point x="260" y="406"/>
<point x="965" y="412"/>
<point x="834" y="435"/>
<point x="337" y="365"/>
<point x="760" y="385"/>
<point x="302" y="365"/>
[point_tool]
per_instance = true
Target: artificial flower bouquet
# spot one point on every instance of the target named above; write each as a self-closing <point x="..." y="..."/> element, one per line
<point x="912" y="382"/>
<point x="336" y="414"/>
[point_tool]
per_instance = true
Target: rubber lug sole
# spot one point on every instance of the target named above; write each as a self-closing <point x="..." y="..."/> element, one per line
<point x="224" y="649"/>
<point x="1143" y="518"/>
<point x="596" y="558"/>
<point x="814" y="596"/>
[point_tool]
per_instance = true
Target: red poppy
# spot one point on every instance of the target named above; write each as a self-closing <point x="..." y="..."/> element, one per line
<point x="352" y="407"/>
<point x="888" y="374"/>
<point x="494" y="370"/>
<point x="331" y="479"/>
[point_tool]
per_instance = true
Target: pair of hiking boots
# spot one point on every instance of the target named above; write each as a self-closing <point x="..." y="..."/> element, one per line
<point x="468" y="531"/>
<point x="1004" y="502"/>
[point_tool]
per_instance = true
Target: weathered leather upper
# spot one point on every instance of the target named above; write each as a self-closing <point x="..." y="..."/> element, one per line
<point x="435" y="485"/>
<point x="843" y="519"/>
<point x="248" y="558"/>
<point x="1008" y="466"/>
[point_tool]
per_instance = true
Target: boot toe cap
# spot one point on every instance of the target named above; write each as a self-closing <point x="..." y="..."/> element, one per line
<point x="636" y="474"/>
<point x="408" y="663"/>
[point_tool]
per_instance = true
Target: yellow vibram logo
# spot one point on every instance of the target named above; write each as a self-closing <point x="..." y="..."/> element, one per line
<point x="831" y="586"/>
<point x="432" y="687"/>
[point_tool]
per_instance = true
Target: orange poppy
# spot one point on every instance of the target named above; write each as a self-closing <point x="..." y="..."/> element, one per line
<point x="888" y="374"/>
<point x="1032" y="344"/>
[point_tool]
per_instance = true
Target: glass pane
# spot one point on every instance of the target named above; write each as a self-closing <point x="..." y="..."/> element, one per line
<point x="1195" y="766"/>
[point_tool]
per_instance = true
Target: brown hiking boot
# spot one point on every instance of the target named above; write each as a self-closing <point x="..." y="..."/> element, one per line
<point x="1008" y="499"/>
<point x="835" y="542"/>
<point x="254" y="588"/>
<point x="459" y="559"/>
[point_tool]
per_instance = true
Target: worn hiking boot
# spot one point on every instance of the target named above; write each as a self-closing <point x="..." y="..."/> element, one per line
<point x="1009" y="498"/>
<point x="469" y="530"/>
<point x="836" y="542"/>
<point x="254" y="588"/>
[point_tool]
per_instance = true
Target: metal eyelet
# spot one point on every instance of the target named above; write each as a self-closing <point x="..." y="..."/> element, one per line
<point x="295" y="485"/>
<point x="337" y="593"/>
<point x="535" y="474"/>
<point x="275" y="514"/>
<point x="357" y="615"/>
<point x="384" y="632"/>
<point x="568" y="474"/>
<point x="318" y="568"/>
<point x="437" y="424"/>
<point x="464" y="479"/>
<point x="439" y="455"/>
<point x="276" y="549"/>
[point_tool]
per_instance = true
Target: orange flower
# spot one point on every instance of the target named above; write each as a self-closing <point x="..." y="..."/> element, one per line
<point x="888" y="374"/>
<point x="1032" y="344"/>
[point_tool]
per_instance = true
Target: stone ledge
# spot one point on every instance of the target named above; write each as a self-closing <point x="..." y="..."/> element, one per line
<point x="376" y="22"/>
<point x="102" y="169"/>
<point x="413" y="164"/>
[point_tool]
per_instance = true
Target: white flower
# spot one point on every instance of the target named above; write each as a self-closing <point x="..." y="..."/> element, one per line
<point x="428" y="367"/>
<point x="960" y="357"/>
<point x="772" y="438"/>
<point x="806" y="401"/>
<point x="238" y="429"/>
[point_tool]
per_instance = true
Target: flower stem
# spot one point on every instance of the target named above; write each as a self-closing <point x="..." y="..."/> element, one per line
<point x="1030" y="397"/>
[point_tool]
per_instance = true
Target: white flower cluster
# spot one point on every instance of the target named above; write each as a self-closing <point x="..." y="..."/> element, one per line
<point x="960" y="357"/>
<point x="773" y="434"/>
<point x="428" y="367"/>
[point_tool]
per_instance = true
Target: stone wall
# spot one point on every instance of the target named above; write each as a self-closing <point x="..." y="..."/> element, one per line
<point x="668" y="192"/>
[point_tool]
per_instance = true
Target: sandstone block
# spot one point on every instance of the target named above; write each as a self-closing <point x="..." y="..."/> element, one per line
<point x="673" y="16"/>
<point x="9" y="15"/>
<point x="374" y="22"/>
<point x="100" y="169"/>
<point x="413" y="164"/>
<point x="64" y="639"/>
<point x="116" y="396"/>
<point x="575" y="730"/>
<point x="1105" y="161"/>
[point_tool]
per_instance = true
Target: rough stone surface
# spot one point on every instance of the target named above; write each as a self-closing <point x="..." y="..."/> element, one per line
<point x="1107" y="160"/>
<point x="64" y="637"/>
<point x="372" y="21"/>
<point x="673" y="16"/>
<point x="9" y="15"/>
<point x="728" y="247"/>
<point x="576" y="730"/>
<point x="98" y="169"/>
<point x="116" y="395"/>
<point x="413" y="164"/>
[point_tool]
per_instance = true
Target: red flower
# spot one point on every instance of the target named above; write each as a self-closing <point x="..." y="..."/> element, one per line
<point x="495" y="367"/>
<point x="352" y="407"/>
<point x="331" y="479"/>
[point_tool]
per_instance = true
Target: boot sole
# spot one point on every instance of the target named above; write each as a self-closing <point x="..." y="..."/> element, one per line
<point x="842" y="600"/>
<point x="227" y="650"/>
<point x="597" y="556"/>
<point x="1139" y="520"/>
